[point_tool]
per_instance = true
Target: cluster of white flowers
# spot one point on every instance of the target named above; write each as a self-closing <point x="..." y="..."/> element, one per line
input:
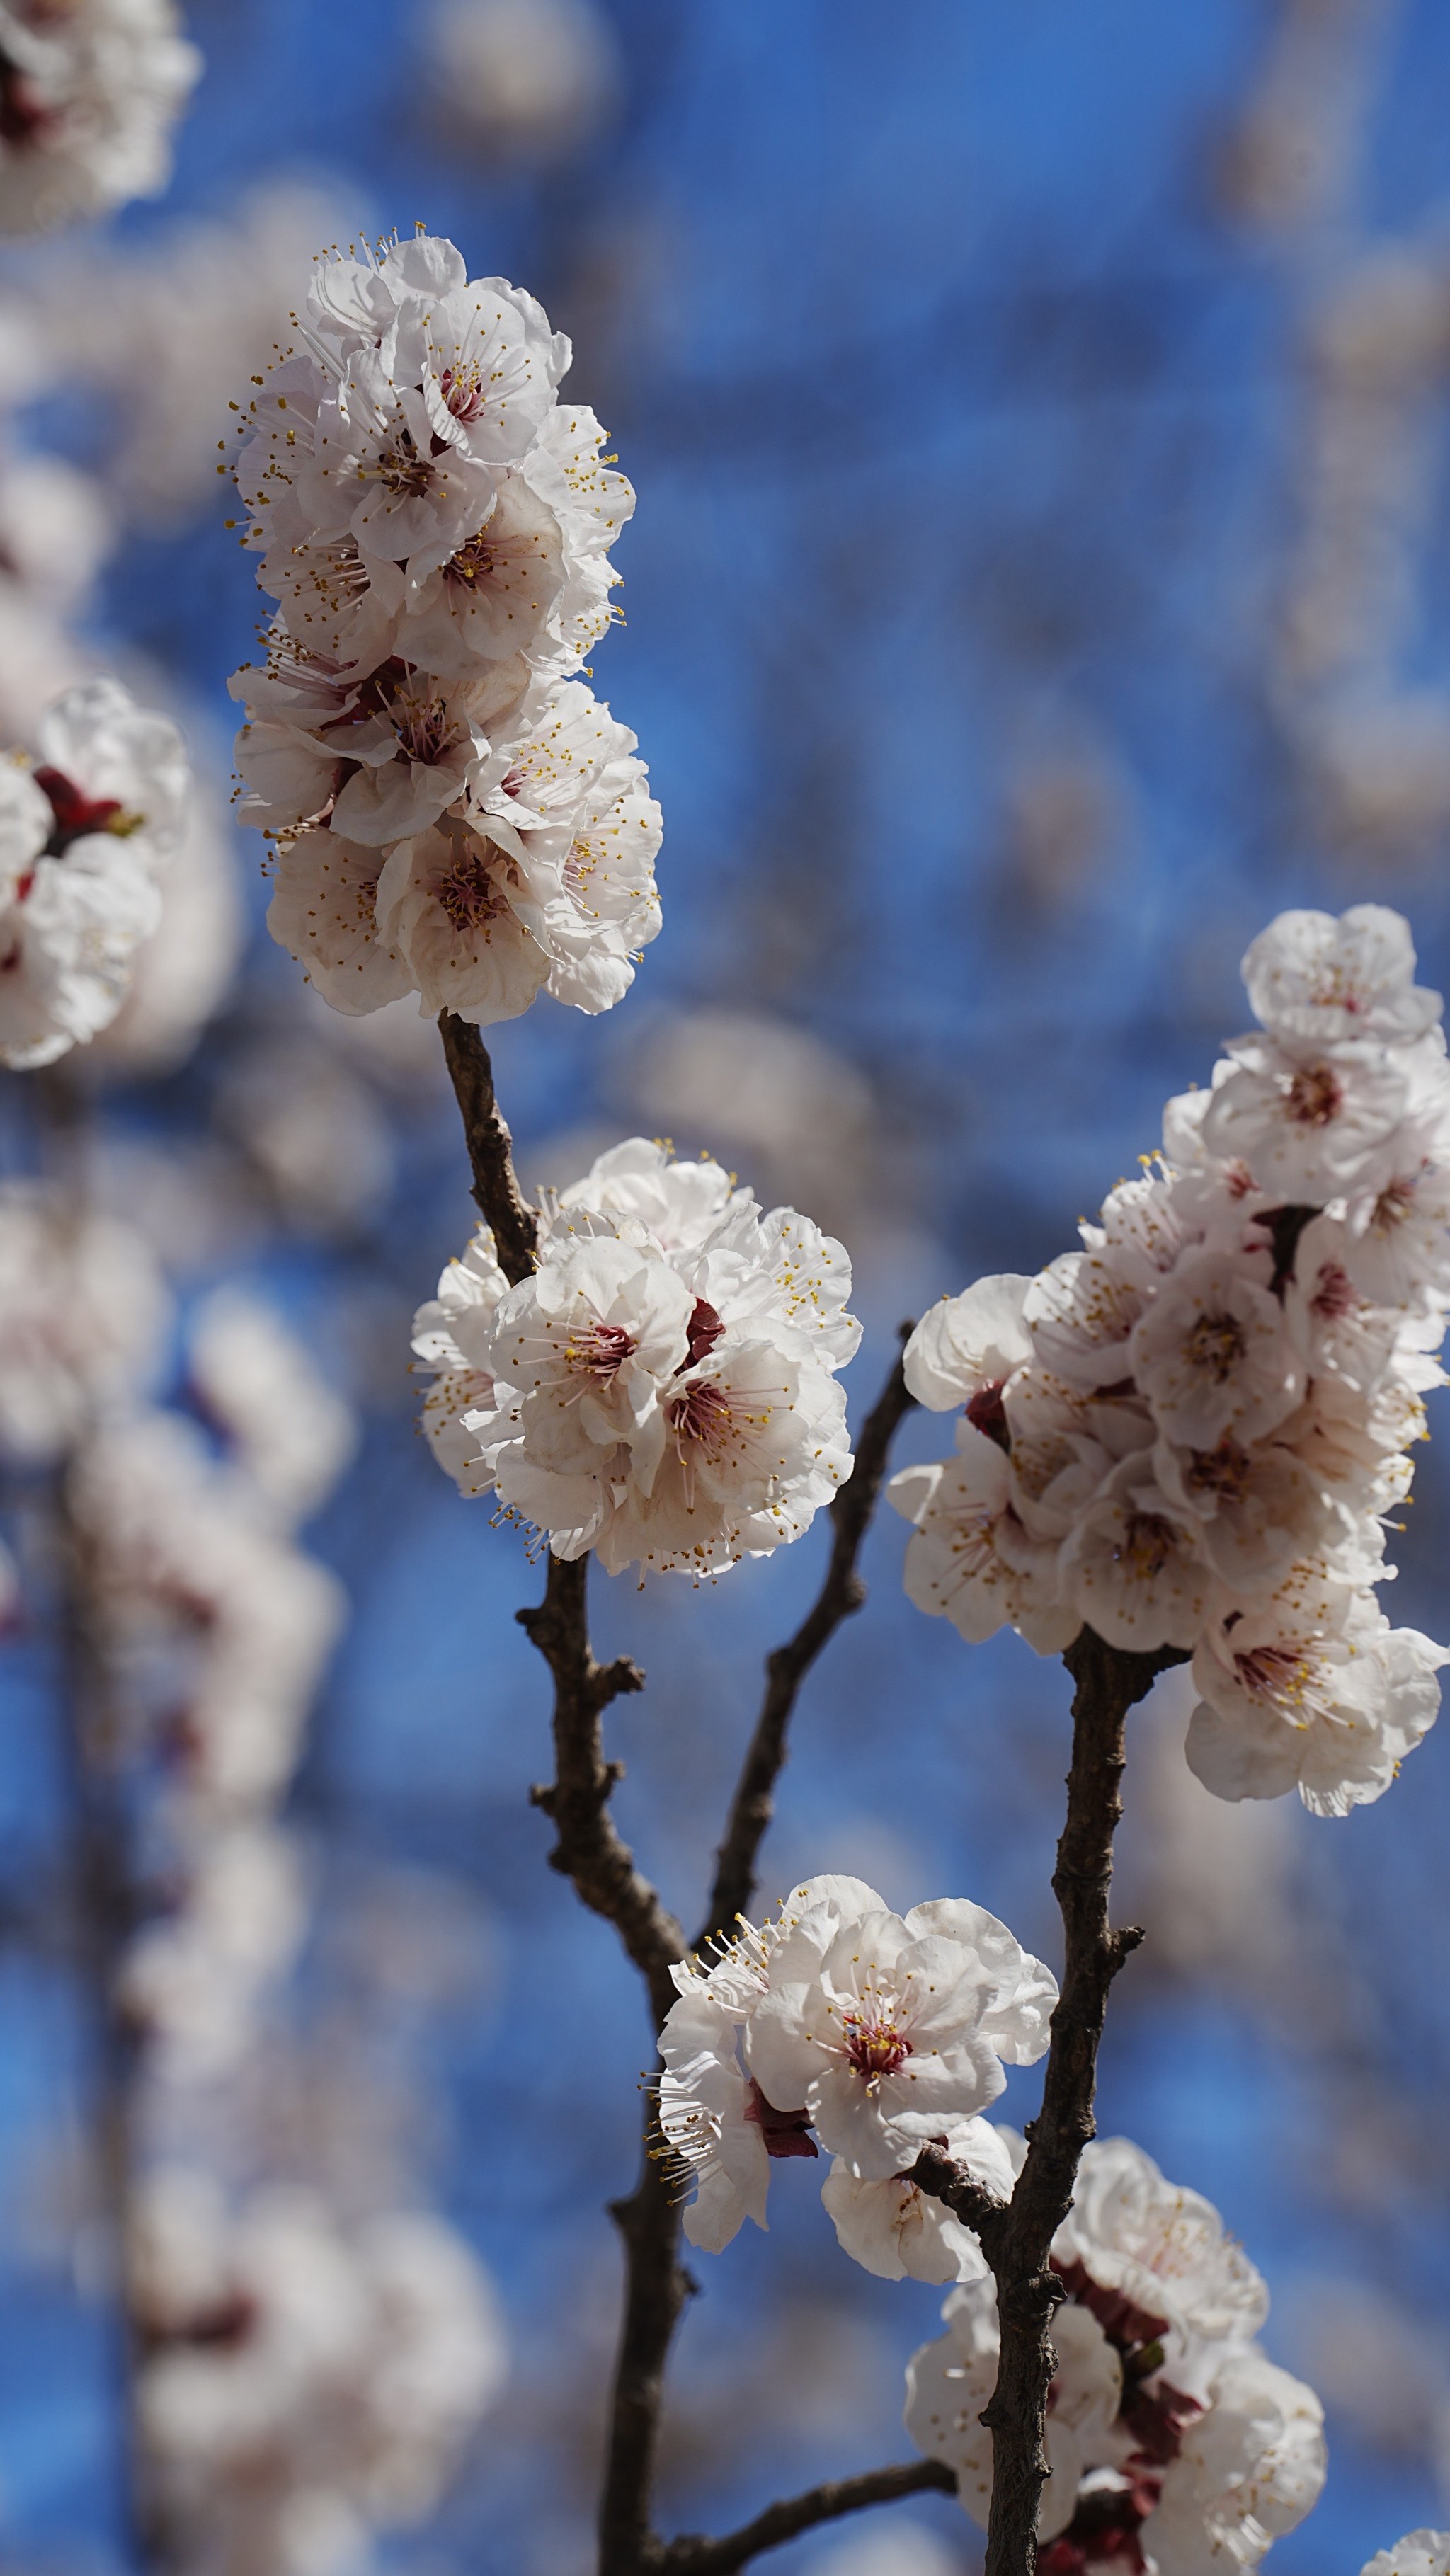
<point x="1174" y="2446"/>
<point x="301" y="2385"/>
<point x="83" y="831"/>
<point x="1189" y="1433"/>
<point x="454" y="813"/>
<point x="877" y="2032"/>
<point x="663" y="1388"/>
<point x="89" y="93"/>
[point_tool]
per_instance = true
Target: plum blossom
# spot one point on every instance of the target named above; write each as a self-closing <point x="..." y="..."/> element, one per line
<point x="82" y="833"/>
<point x="839" y="2025"/>
<point x="1188" y="1435"/>
<point x="436" y="529"/>
<point x="1174" y="2446"/>
<point x="662" y="1389"/>
<point x="89" y="90"/>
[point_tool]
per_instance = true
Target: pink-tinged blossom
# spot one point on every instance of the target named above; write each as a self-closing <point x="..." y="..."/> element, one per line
<point x="82" y="832"/>
<point x="1170" y="1435"/>
<point x="667" y="1399"/>
<point x="89" y="93"/>
<point x="436" y="532"/>
<point x="1172" y="2443"/>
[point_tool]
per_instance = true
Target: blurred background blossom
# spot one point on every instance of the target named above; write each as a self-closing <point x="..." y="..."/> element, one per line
<point x="1040" y="578"/>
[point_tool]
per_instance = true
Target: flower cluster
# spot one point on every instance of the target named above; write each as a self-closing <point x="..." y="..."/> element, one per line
<point x="454" y="813"/>
<point x="300" y="2386"/>
<point x="1174" y="2445"/>
<point x="83" y="832"/>
<point x="870" y="2032"/>
<point x="1189" y="1433"/>
<point x="662" y="1389"/>
<point x="89" y="92"/>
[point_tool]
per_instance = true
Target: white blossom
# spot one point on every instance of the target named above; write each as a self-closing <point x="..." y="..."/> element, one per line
<point x="881" y="2025"/>
<point x="1174" y="2447"/>
<point x="84" y="1316"/>
<point x="666" y="1397"/>
<point x="1420" y="2553"/>
<point x="299" y="2380"/>
<point x="530" y="77"/>
<point x="1189" y="1434"/>
<point x="90" y="91"/>
<point x="436" y="530"/>
<point x="292" y="1435"/>
<point x="899" y="2231"/>
<point x="81" y="834"/>
<point x="192" y="1982"/>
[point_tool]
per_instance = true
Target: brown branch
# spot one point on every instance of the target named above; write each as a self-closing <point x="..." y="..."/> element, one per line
<point x="1018" y="2242"/>
<point x="840" y="1594"/>
<point x="592" y="1853"/>
<point x="490" y="1149"/>
<point x="782" y="2522"/>
<point x="590" y="1849"/>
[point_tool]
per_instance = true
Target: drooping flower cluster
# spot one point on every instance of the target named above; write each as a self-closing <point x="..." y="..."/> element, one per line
<point x="662" y="1389"/>
<point x="871" y="2032"/>
<point x="300" y="2386"/>
<point x="1189" y="1434"/>
<point x="89" y="92"/>
<point x="454" y="812"/>
<point x="1174" y="2446"/>
<point x="83" y="832"/>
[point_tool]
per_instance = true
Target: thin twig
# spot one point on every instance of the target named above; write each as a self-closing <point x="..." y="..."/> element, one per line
<point x="840" y="1594"/>
<point x="591" y="1852"/>
<point x="1018" y="2242"/>
<point x="782" y="2522"/>
<point x="590" y="1849"/>
<point x="490" y="1149"/>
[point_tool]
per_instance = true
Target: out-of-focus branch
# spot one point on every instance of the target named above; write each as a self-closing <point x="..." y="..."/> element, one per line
<point x="590" y="1849"/>
<point x="840" y="1594"/>
<point x="490" y="1149"/>
<point x="782" y="2522"/>
<point x="1018" y="2241"/>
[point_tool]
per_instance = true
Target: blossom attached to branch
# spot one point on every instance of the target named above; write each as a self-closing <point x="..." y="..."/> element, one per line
<point x="1189" y="1434"/>
<point x="1171" y="2440"/>
<point x="872" y="2032"/>
<point x="661" y="1388"/>
<point x="454" y="812"/>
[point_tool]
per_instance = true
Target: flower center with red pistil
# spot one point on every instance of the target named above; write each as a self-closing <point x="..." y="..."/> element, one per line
<point x="702" y="1332"/>
<point x="701" y="1413"/>
<point x="602" y="1350"/>
<point x="1315" y="1096"/>
<point x="1279" y="1674"/>
<point x="467" y="893"/>
<point x="77" y="815"/>
<point x="462" y="391"/>
<point x="1392" y="1207"/>
<point x="874" y="2044"/>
